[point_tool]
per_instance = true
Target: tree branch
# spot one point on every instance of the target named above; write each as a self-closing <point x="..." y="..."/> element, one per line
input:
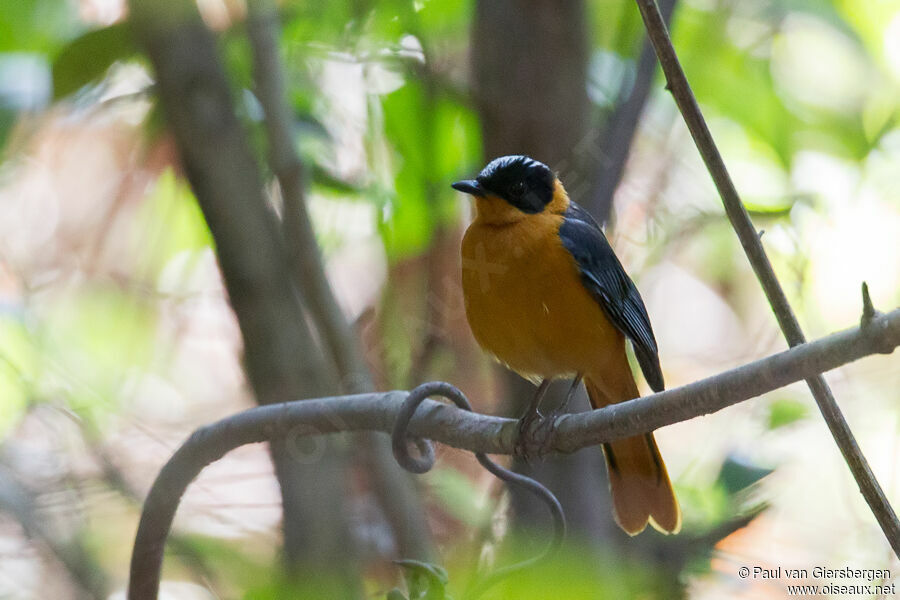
<point x="395" y="489"/>
<point x="281" y="357"/>
<point x="77" y="560"/>
<point x="481" y="433"/>
<point x="300" y="238"/>
<point x="740" y="221"/>
<point x="615" y="140"/>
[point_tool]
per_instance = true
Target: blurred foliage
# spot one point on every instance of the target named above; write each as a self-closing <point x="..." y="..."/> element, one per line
<point x="786" y="411"/>
<point x="579" y="575"/>
<point x="171" y="224"/>
<point x="85" y="59"/>
<point x="18" y="370"/>
<point x="36" y="25"/>
<point x="437" y="139"/>
<point x="424" y="581"/>
<point x="459" y="497"/>
<point x="738" y="474"/>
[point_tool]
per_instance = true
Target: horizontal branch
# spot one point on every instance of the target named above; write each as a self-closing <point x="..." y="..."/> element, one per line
<point x="482" y="433"/>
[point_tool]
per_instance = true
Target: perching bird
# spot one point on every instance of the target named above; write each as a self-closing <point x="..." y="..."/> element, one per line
<point x="545" y="294"/>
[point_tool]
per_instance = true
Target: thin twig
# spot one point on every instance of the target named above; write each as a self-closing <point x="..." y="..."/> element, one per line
<point x="80" y="564"/>
<point x="749" y="238"/>
<point x="394" y="489"/>
<point x="476" y="432"/>
<point x="305" y="257"/>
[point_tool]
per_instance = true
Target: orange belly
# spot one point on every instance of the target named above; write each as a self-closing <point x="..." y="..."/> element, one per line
<point x="526" y="305"/>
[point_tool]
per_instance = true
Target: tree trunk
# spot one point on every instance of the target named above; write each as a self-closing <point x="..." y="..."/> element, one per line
<point x="529" y="69"/>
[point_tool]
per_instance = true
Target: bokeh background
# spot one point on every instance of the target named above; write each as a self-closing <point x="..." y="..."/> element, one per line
<point x="117" y="338"/>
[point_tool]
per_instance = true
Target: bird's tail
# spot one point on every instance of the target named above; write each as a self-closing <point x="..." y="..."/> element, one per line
<point x="640" y="486"/>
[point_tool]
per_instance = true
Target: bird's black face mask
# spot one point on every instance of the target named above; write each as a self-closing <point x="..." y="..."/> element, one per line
<point x="523" y="182"/>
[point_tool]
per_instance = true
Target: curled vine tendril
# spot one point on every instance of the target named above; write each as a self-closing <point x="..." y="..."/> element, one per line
<point x="425" y="461"/>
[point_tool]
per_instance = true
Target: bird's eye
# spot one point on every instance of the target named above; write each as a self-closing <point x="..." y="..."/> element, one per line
<point x="518" y="189"/>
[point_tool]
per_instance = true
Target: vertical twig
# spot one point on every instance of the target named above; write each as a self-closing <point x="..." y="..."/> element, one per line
<point x="395" y="490"/>
<point x="305" y="256"/>
<point x="740" y="220"/>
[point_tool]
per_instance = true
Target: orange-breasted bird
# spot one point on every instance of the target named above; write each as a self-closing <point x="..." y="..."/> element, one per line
<point x="546" y="295"/>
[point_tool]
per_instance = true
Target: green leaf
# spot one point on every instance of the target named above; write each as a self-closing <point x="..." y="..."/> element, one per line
<point x="425" y="581"/>
<point x="736" y="78"/>
<point x="435" y="140"/>
<point x="578" y="573"/>
<point x="407" y="221"/>
<point x="172" y="222"/>
<point x="734" y="82"/>
<point x="786" y="411"/>
<point x="617" y="26"/>
<point x="86" y="58"/>
<point x="318" y="22"/>
<point x="738" y="474"/>
<point x="445" y="20"/>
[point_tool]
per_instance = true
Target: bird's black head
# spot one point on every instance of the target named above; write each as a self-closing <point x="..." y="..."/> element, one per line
<point x="524" y="182"/>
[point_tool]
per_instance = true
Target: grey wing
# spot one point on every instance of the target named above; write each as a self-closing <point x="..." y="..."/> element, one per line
<point x="605" y="278"/>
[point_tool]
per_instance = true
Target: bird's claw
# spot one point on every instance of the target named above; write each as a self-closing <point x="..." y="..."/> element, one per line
<point x="535" y="433"/>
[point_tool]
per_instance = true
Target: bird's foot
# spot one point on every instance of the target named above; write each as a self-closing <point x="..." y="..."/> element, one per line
<point x="535" y="433"/>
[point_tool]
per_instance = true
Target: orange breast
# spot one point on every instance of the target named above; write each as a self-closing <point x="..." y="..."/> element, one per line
<point x="525" y="302"/>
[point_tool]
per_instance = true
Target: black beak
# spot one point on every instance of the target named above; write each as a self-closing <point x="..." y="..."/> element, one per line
<point x="468" y="186"/>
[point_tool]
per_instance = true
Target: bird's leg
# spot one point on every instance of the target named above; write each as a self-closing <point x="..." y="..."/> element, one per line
<point x="526" y="421"/>
<point x="535" y="440"/>
<point x="562" y="407"/>
<point x="531" y="413"/>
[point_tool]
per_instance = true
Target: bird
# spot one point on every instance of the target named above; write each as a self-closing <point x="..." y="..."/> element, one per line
<point x="545" y="294"/>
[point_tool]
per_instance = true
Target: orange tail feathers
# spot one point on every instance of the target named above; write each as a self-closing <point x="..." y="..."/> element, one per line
<point x="640" y="486"/>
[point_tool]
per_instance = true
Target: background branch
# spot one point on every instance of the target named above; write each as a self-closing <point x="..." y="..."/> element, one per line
<point x="617" y="136"/>
<point x="79" y="562"/>
<point x="281" y="357"/>
<point x="481" y="433"/>
<point x="395" y="490"/>
<point x="749" y="238"/>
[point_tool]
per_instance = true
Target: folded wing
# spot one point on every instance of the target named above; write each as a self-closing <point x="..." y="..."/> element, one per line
<point x="603" y="276"/>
